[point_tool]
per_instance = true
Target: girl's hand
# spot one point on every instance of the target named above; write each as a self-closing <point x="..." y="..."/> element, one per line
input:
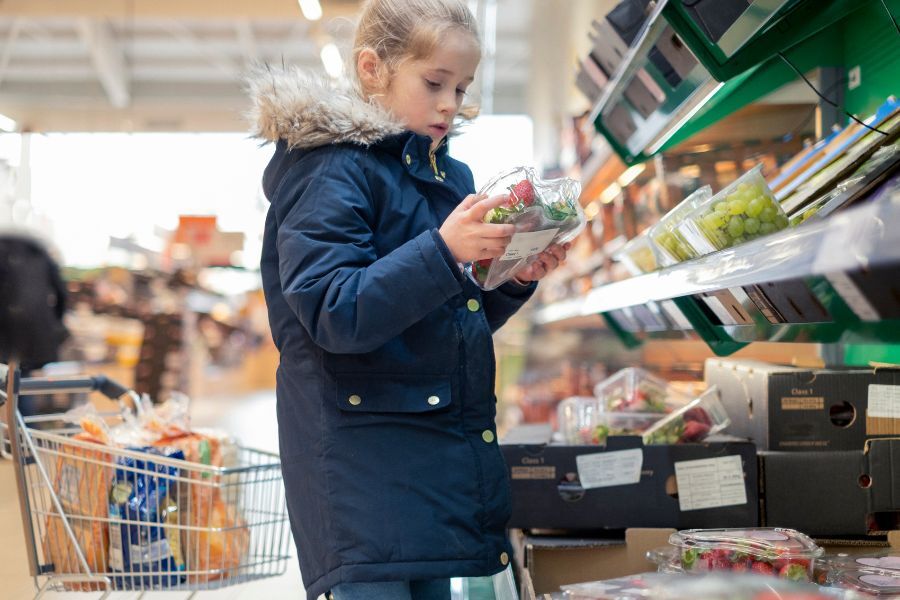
<point x="468" y="237"/>
<point x="546" y="261"/>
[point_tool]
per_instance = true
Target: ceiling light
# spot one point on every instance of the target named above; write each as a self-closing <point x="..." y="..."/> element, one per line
<point x="331" y="58"/>
<point x="312" y="10"/>
<point x="7" y="124"/>
<point x="630" y="174"/>
<point x="610" y="193"/>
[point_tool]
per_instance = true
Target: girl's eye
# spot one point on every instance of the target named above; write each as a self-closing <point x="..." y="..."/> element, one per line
<point x="460" y="92"/>
<point x="432" y="84"/>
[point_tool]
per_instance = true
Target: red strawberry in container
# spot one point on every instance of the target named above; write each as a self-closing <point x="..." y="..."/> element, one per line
<point x="694" y="431"/>
<point x="521" y="192"/>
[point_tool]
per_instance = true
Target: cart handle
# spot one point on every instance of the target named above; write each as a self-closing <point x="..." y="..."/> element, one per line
<point x="64" y="385"/>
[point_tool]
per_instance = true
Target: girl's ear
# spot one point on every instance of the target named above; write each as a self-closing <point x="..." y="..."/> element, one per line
<point x="369" y="69"/>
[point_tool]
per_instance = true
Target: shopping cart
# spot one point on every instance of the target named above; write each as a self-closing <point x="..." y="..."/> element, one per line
<point x="103" y="519"/>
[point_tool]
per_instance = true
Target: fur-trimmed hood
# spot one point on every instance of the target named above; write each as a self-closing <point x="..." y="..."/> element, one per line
<point x="306" y="110"/>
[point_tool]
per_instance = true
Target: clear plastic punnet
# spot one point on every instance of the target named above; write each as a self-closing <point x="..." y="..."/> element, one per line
<point x="669" y="245"/>
<point x="641" y="585"/>
<point x="637" y="255"/>
<point x="746" y="586"/>
<point x="582" y="421"/>
<point x="784" y="553"/>
<point x="544" y="212"/>
<point x="693" y="422"/>
<point x="637" y="390"/>
<point x="888" y="560"/>
<point x="742" y="211"/>
<point x="870" y="583"/>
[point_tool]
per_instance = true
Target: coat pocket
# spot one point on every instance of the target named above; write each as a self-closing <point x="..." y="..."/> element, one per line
<point x="373" y="394"/>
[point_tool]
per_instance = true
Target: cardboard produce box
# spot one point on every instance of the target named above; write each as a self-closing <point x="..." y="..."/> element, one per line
<point x="625" y="484"/>
<point x="545" y="562"/>
<point x="833" y="493"/>
<point x="789" y="408"/>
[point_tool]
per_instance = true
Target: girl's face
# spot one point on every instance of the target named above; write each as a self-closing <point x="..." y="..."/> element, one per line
<point x="426" y="94"/>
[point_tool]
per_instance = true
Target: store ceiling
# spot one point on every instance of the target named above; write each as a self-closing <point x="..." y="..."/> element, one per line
<point x="177" y="65"/>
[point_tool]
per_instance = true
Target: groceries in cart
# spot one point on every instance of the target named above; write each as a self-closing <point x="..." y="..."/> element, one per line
<point x="544" y="212"/>
<point x="153" y="509"/>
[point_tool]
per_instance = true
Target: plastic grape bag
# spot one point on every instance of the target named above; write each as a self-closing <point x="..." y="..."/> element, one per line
<point x="544" y="212"/>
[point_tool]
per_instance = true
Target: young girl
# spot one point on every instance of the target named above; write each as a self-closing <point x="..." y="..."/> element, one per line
<point x="393" y="475"/>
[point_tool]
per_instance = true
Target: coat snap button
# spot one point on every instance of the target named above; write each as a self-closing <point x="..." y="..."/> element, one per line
<point x="504" y="558"/>
<point x="473" y="305"/>
<point x="434" y="400"/>
<point x="408" y="159"/>
<point x="354" y="400"/>
<point x="487" y="435"/>
<point x="439" y="178"/>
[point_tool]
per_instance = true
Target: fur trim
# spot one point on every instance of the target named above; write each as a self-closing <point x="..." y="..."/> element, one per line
<point x="307" y="111"/>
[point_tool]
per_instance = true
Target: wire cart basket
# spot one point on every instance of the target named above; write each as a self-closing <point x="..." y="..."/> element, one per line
<point x="101" y="518"/>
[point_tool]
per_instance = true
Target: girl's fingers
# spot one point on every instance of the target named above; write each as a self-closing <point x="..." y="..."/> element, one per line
<point x="471" y="200"/>
<point x="483" y="205"/>
<point x="506" y="232"/>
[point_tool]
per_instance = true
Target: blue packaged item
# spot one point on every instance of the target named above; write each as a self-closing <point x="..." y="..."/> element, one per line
<point x="144" y="536"/>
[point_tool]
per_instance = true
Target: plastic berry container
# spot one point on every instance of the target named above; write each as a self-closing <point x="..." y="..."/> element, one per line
<point x="870" y="583"/>
<point x="544" y="212"/>
<point x="747" y="586"/>
<point x="583" y="421"/>
<point x="637" y="255"/>
<point x="744" y="210"/>
<point x="670" y="247"/>
<point x="701" y="417"/>
<point x="783" y="553"/>
<point x="636" y="390"/>
<point x="888" y="560"/>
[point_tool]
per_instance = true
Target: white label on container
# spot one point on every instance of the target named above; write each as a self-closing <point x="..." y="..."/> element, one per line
<point x="884" y="401"/>
<point x="710" y="482"/>
<point x="607" y="469"/>
<point x="528" y="243"/>
<point x="854" y="298"/>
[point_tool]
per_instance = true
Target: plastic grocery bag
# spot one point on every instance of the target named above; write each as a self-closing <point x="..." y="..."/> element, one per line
<point x="544" y="212"/>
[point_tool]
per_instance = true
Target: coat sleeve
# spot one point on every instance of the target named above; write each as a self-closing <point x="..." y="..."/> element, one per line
<point x="503" y="302"/>
<point x="348" y="298"/>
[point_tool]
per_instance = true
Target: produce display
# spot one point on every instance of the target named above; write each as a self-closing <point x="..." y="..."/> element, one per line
<point x="582" y="421"/>
<point x="783" y="553"/>
<point x="693" y="422"/>
<point x="743" y="211"/>
<point x="544" y="213"/>
<point x="671" y="248"/>
<point x="637" y="256"/>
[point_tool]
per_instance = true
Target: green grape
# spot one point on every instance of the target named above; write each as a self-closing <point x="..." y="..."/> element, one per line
<point x="737" y="205"/>
<point x="751" y="225"/>
<point x="713" y="220"/>
<point x="767" y="228"/>
<point x="735" y="226"/>
<point x="721" y="207"/>
<point x="767" y="215"/>
<point x="738" y="240"/>
<point x="781" y="222"/>
<point x="755" y="206"/>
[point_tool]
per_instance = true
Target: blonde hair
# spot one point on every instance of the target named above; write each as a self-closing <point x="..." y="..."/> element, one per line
<point x="400" y="30"/>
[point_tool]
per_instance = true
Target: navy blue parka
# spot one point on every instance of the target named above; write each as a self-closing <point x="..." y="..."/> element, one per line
<point x="385" y="386"/>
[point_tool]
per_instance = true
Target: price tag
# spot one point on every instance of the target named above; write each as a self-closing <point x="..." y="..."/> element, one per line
<point x="710" y="483"/>
<point x="608" y="469"/>
<point x="528" y="244"/>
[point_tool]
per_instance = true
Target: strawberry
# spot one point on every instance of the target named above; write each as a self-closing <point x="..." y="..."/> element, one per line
<point x="480" y="269"/>
<point x="794" y="572"/>
<point x="697" y="414"/>
<point x="521" y="192"/>
<point x="763" y="568"/>
<point x="694" y="431"/>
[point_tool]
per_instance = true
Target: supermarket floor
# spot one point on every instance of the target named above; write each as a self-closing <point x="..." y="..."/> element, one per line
<point x="251" y="418"/>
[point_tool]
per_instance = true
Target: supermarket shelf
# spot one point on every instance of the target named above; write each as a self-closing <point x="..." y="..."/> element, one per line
<point x="817" y="257"/>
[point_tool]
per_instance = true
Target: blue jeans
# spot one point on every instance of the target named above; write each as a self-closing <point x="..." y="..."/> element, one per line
<point x="428" y="589"/>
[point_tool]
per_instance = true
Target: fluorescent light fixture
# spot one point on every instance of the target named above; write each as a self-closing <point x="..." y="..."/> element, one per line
<point x="630" y="174"/>
<point x="331" y="58"/>
<point x="312" y="10"/>
<point x="7" y="124"/>
<point x="610" y="193"/>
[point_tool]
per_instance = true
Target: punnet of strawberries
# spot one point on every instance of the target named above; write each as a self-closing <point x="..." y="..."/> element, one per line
<point x="777" y="552"/>
<point x="534" y="206"/>
<point x="701" y="417"/>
